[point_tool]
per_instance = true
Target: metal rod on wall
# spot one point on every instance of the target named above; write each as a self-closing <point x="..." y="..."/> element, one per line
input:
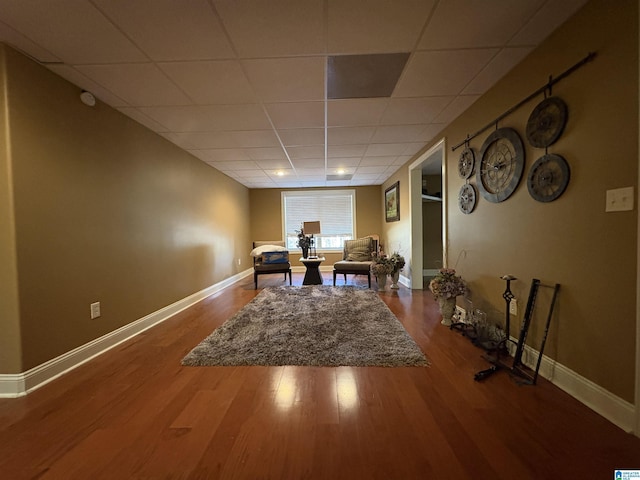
<point x="548" y="85"/>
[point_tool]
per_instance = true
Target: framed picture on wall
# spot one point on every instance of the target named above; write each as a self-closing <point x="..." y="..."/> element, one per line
<point x="392" y="203"/>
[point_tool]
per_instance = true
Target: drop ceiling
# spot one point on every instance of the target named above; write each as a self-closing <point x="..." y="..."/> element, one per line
<point x="242" y="84"/>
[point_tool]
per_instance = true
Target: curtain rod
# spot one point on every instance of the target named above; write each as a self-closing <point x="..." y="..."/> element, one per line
<point x="548" y="85"/>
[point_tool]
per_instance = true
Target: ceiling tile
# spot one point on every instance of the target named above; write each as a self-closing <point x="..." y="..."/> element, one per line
<point x="336" y="151"/>
<point x="349" y="135"/>
<point x="210" y="118"/>
<point x="377" y="161"/>
<point x="141" y="118"/>
<point x="302" y="136"/>
<point x="372" y="169"/>
<point x="455" y="108"/>
<point x="296" y="114"/>
<point x="498" y="67"/>
<point x="275" y="27"/>
<point x="211" y="82"/>
<point x="166" y="30"/>
<point x="385" y="149"/>
<point x="270" y="153"/>
<point x="343" y="162"/>
<point x="287" y="79"/>
<point x="414" y="110"/>
<point x="353" y="112"/>
<point x="476" y="23"/>
<point x="308" y="163"/>
<point x="399" y="133"/>
<point x="313" y="151"/>
<point x="201" y="140"/>
<point x="442" y="73"/>
<point x="139" y="84"/>
<point x="397" y="25"/>
<point x="274" y="164"/>
<point x="71" y="20"/>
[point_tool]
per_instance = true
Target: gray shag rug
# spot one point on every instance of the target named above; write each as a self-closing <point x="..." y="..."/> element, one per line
<point x="310" y="325"/>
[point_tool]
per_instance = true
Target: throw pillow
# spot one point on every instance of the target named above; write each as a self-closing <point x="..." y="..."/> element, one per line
<point x="358" y="250"/>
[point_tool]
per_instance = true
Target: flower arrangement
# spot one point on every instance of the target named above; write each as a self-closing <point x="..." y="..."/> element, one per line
<point x="446" y="284"/>
<point x="398" y="262"/>
<point x="382" y="265"/>
<point x="304" y="242"/>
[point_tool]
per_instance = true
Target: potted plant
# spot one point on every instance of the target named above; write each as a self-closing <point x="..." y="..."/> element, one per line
<point x="304" y="242"/>
<point x="381" y="267"/>
<point x="398" y="263"/>
<point x="446" y="286"/>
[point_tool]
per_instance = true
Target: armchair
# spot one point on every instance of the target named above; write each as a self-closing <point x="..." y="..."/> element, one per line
<point x="356" y="258"/>
<point x="270" y="257"/>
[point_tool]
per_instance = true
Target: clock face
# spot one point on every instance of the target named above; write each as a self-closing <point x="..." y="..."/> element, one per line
<point x="546" y="122"/>
<point x="467" y="198"/>
<point x="501" y="165"/>
<point x="466" y="163"/>
<point x="548" y="178"/>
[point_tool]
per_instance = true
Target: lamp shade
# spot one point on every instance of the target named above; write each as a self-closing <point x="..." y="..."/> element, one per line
<point x="311" y="228"/>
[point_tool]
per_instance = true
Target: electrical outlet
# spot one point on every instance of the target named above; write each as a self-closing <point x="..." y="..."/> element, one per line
<point x="619" y="200"/>
<point x="95" y="310"/>
<point x="513" y="307"/>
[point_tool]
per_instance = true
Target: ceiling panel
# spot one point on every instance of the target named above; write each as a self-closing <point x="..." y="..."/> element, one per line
<point x="166" y="30"/>
<point x="211" y="82"/>
<point x="241" y="84"/>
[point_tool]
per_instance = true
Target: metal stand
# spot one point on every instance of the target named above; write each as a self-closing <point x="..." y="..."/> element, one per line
<point x="518" y="368"/>
<point x="502" y="347"/>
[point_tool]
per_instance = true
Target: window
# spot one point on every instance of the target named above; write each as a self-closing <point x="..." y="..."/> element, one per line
<point x="335" y="209"/>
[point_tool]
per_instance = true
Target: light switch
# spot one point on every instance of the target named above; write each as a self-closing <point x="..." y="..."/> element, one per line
<point x="619" y="200"/>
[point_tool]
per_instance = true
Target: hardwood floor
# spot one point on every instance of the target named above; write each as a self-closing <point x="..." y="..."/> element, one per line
<point x="135" y="413"/>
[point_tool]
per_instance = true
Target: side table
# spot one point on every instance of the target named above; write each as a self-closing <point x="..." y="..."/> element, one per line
<point x="312" y="276"/>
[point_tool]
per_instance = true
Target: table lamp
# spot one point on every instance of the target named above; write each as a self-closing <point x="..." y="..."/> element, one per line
<point x="311" y="228"/>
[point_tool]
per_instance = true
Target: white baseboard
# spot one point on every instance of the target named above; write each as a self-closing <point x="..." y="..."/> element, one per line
<point x="613" y="408"/>
<point x="17" y="385"/>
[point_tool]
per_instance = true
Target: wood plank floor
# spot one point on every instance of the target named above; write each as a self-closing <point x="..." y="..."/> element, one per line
<point x="135" y="413"/>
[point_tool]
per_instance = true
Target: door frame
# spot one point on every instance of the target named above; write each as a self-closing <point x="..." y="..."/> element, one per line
<point x="437" y="151"/>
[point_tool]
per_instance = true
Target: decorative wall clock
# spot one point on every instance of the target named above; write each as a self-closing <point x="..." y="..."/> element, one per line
<point x="548" y="178"/>
<point x="547" y="121"/>
<point x="467" y="198"/>
<point x="501" y="165"/>
<point x="466" y="163"/>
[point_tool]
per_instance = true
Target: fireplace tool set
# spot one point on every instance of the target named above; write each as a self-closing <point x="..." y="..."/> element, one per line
<point x="501" y="351"/>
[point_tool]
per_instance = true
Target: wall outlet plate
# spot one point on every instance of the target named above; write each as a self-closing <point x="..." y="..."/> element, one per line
<point x="95" y="310"/>
<point x="513" y="307"/>
<point x="460" y="315"/>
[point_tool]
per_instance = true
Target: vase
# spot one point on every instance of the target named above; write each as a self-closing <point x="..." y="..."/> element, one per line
<point x="395" y="276"/>
<point x="382" y="281"/>
<point x="447" y="308"/>
<point x="305" y="252"/>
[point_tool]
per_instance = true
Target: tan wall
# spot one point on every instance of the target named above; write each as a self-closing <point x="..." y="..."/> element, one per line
<point x="266" y="216"/>
<point x="107" y="211"/>
<point x="571" y="241"/>
<point x="10" y="348"/>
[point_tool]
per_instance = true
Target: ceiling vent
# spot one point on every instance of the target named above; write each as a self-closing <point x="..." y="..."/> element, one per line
<point x="364" y="76"/>
<point x="334" y="178"/>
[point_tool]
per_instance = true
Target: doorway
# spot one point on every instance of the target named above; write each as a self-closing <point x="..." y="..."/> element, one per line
<point x="429" y="163"/>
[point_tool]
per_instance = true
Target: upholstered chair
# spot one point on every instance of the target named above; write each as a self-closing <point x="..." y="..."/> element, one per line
<point x="270" y="257"/>
<point x="356" y="258"/>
